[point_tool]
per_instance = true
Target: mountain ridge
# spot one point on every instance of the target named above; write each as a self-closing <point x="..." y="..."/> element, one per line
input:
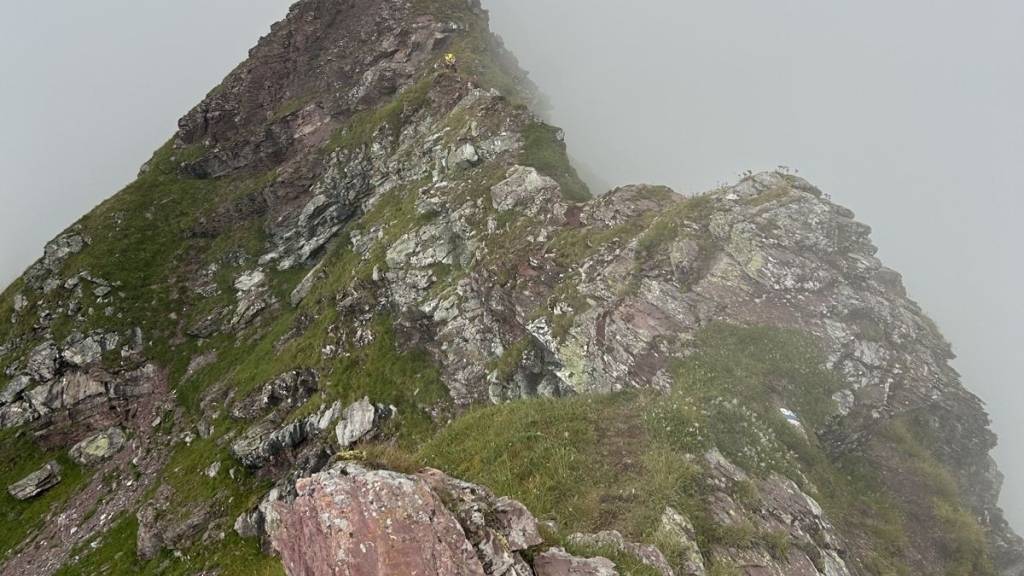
<point x="350" y="216"/>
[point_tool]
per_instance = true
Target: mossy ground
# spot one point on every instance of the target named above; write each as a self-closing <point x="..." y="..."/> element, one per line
<point x="544" y="149"/>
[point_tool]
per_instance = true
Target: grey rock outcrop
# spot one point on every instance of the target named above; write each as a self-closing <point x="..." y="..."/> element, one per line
<point x="287" y="391"/>
<point x="782" y="509"/>
<point x="83" y="353"/>
<point x="263" y="443"/>
<point x="37" y="482"/>
<point x="98" y="447"/>
<point x="361" y="421"/>
<point x="613" y="540"/>
<point x="677" y="530"/>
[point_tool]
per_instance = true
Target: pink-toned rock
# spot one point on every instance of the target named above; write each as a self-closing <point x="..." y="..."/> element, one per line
<point x="355" y="522"/>
<point x="558" y="562"/>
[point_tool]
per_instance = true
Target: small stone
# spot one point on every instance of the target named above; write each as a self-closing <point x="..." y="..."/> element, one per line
<point x="213" y="470"/>
<point x="465" y="156"/>
<point x="558" y="562"/>
<point x="250" y="280"/>
<point x="20" y="302"/>
<point x="37" y="482"/>
<point x="98" y="447"/>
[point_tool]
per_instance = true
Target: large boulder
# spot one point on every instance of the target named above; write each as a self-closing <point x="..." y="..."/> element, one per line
<point x="264" y="443"/>
<point x="36" y="483"/>
<point x="361" y="421"/>
<point x="98" y="447"/>
<point x="354" y="522"/>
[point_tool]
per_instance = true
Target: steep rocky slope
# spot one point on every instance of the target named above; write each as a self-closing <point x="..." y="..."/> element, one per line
<point x="358" y="263"/>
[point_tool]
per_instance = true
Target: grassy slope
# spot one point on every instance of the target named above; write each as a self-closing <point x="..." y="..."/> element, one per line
<point x="616" y="461"/>
<point x="19" y="456"/>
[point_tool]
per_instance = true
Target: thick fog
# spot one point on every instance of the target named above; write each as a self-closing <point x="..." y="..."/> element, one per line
<point x="907" y="112"/>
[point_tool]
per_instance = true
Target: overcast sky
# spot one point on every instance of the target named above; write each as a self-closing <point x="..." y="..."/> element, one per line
<point x="908" y="112"/>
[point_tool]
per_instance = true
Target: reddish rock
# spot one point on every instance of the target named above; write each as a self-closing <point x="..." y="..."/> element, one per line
<point x="355" y="522"/>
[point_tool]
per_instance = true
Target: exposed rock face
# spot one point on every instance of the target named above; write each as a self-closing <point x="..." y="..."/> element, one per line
<point x="36" y="483"/>
<point x="783" y="509"/>
<point x="264" y="443"/>
<point x="353" y="521"/>
<point x="677" y="530"/>
<point x="287" y="391"/>
<point x="357" y="522"/>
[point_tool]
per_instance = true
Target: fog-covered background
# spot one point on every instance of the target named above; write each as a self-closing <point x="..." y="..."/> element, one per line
<point x="908" y="112"/>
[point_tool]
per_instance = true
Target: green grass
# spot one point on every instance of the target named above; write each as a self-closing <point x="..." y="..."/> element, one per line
<point x="291" y="106"/>
<point x="962" y="540"/>
<point x="616" y="461"/>
<point x="545" y="151"/>
<point x="361" y="128"/>
<point x="19" y="457"/>
<point x="115" y="554"/>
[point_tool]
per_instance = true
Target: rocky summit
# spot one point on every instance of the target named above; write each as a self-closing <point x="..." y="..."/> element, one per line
<point x="360" y="316"/>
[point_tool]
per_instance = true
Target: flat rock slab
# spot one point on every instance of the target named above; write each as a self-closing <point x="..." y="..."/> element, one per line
<point x="37" y="482"/>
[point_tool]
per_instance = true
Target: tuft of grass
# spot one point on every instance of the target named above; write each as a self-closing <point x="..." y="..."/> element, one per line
<point x="361" y="128"/>
<point x="679" y="220"/>
<point x="544" y="150"/>
<point x="508" y="363"/>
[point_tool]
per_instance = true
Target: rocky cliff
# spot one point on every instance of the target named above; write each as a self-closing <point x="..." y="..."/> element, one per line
<point x="361" y="316"/>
